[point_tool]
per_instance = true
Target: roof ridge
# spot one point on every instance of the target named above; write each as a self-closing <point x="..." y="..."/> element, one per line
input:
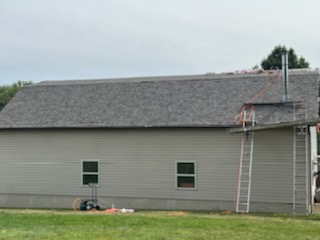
<point x="207" y="76"/>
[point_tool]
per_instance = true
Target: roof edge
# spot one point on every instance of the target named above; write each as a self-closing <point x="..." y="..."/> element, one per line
<point x="311" y="121"/>
<point x="207" y="76"/>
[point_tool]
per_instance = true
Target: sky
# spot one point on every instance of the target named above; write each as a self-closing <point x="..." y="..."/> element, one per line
<point x="88" y="39"/>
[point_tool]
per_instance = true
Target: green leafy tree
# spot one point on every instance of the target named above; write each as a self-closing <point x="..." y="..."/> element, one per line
<point x="274" y="59"/>
<point x="8" y="91"/>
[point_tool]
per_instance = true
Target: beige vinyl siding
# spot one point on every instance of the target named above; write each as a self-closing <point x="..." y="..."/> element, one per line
<point x="133" y="162"/>
<point x="140" y="163"/>
<point x="272" y="175"/>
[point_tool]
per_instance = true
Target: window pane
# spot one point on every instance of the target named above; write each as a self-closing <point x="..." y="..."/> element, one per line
<point x="185" y="168"/>
<point x="90" y="167"/>
<point x="186" y="182"/>
<point x="88" y="178"/>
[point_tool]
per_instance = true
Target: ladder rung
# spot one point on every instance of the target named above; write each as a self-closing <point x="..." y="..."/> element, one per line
<point x="300" y="200"/>
<point x="300" y="206"/>
<point x="301" y="193"/>
<point x="245" y="166"/>
<point x="245" y="181"/>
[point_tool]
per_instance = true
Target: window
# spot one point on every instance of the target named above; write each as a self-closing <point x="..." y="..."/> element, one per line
<point x="90" y="172"/>
<point x="186" y="175"/>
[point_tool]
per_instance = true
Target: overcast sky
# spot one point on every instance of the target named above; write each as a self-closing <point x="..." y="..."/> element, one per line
<point x="81" y="39"/>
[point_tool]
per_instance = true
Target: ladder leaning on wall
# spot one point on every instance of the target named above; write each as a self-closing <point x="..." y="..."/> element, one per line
<point x="300" y="163"/>
<point x="300" y="171"/>
<point x="245" y="168"/>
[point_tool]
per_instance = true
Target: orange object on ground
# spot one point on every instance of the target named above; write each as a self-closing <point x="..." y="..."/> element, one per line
<point x="111" y="210"/>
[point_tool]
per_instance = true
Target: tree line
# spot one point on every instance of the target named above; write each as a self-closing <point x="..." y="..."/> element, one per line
<point x="8" y="91"/>
<point x="274" y="59"/>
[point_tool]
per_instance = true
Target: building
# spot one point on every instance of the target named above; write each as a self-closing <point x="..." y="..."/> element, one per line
<point x="163" y="142"/>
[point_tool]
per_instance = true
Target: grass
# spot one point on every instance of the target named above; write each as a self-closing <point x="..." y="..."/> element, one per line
<point x="29" y="224"/>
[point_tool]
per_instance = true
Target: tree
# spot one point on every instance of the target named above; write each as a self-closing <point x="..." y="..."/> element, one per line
<point x="274" y="59"/>
<point x="8" y="91"/>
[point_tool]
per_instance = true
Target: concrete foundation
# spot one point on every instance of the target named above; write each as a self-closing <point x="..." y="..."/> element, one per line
<point x="66" y="202"/>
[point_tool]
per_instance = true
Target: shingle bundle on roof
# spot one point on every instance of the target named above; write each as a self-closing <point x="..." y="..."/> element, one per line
<point x="181" y="101"/>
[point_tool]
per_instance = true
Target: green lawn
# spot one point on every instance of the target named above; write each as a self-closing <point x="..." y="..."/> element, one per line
<point x="29" y="224"/>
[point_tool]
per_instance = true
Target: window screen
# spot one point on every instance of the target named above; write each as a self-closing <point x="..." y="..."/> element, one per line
<point x="186" y="177"/>
<point x="90" y="172"/>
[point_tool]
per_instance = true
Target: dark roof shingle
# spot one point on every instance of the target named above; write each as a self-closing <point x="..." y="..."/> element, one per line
<point x="180" y="101"/>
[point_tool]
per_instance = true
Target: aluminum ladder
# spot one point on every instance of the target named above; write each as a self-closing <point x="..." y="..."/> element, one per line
<point x="245" y="170"/>
<point x="300" y="162"/>
<point x="300" y="171"/>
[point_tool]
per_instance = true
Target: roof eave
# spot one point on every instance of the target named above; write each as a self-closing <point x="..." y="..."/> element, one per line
<point x="310" y="122"/>
<point x="124" y="127"/>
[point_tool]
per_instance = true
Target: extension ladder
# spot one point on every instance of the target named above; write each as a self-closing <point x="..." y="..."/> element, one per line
<point x="300" y="163"/>
<point x="245" y="171"/>
<point x="300" y="171"/>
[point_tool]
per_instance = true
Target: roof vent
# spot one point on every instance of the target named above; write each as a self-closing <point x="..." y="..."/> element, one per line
<point x="285" y="76"/>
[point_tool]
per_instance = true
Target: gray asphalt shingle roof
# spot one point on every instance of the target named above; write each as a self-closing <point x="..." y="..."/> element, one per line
<point x="179" y="101"/>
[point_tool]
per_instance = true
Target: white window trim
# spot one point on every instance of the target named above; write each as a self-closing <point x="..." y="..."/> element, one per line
<point x="90" y="173"/>
<point x="186" y="175"/>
